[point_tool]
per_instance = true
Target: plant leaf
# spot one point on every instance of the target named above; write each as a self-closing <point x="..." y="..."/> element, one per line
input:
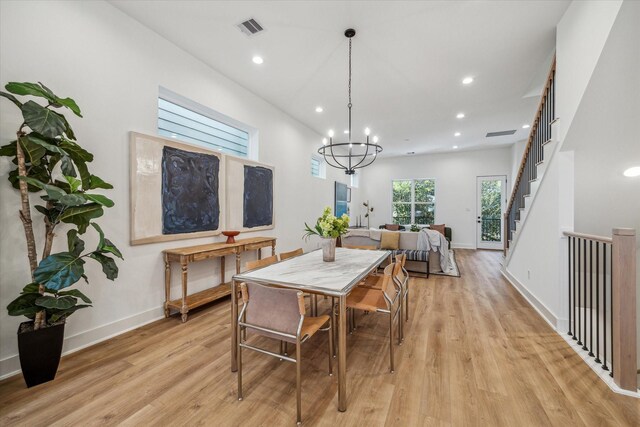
<point x="9" y="150"/>
<point x="85" y="176"/>
<point x="59" y="271"/>
<point x="61" y="303"/>
<point x="95" y="182"/>
<point x="53" y="192"/>
<point x="100" y="199"/>
<point x="74" y="243"/>
<point x="81" y="216"/>
<point x="34" y="152"/>
<point x="72" y="200"/>
<point x="74" y="183"/>
<point x="109" y="266"/>
<point x="111" y="248"/>
<point x="31" y="288"/>
<point x="57" y="315"/>
<point x="67" y="167"/>
<point x="77" y="153"/>
<point x="76" y="293"/>
<point x="11" y="98"/>
<point x="27" y="88"/>
<point x="42" y="120"/>
<point x="24" y="305"/>
<point x="38" y="139"/>
<point x="70" y="104"/>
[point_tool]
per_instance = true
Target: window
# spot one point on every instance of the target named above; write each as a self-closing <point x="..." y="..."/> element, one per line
<point x="318" y="168"/>
<point x="202" y="126"/>
<point x="414" y="201"/>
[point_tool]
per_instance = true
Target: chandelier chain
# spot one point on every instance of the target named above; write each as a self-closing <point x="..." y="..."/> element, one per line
<point x="350" y="104"/>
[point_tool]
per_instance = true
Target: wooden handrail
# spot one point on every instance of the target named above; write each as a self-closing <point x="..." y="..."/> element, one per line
<point x="595" y="238"/>
<point x="532" y="134"/>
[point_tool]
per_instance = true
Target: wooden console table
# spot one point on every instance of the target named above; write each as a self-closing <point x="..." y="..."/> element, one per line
<point x="190" y="254"/>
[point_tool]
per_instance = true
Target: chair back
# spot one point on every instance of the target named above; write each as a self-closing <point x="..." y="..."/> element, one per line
<point x="287" y="255"/>
<point x="399" y="271"/>
<point x="261" y="262"/>
<point x="272" y="310"/>
<point x="366" y="247"/>
<point x="388" y="288"/>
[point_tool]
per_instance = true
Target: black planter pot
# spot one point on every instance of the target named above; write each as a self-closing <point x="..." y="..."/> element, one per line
<point x="40" y="353"/>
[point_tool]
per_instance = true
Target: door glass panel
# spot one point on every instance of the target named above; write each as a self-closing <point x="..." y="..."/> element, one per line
<point x="490" y="203"/>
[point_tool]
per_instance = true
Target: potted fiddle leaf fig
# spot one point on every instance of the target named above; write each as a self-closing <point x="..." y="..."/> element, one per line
<point x="51" y="172"/>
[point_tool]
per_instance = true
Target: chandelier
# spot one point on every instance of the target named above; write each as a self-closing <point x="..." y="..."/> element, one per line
<point x="350" y="155"/>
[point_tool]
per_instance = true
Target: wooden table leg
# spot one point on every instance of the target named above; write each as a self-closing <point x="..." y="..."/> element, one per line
<point x="167" y="286"/>
<point x="234" y="326"/>
<point x="184" y="309"/>
<point x="314" y="305"/>
<point x="273" y="248"/>
<point x="222" y="270"/>
<point x="342" y="353"/>
<point x="259" y="253"/>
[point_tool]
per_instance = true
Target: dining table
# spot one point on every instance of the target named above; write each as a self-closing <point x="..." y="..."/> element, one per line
<point x="310" y="274"/>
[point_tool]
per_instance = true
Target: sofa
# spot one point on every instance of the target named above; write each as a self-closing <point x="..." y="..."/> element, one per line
<point x="417" y="261"/>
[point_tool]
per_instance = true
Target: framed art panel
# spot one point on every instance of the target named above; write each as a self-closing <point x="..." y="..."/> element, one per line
<point x="177" y="190"/>
<point x="250" y="205"/>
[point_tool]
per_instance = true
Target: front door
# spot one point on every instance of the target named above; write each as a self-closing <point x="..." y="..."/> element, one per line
<point x="491" y="195"/>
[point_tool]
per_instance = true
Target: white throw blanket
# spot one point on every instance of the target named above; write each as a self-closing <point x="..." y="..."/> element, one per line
<point x="432" y="240"/>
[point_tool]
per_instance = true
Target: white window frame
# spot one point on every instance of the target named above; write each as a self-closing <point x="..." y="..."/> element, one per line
<point x="412" y="203"/>
<point x="322" y="167"/>
<point x="253" y="143"/>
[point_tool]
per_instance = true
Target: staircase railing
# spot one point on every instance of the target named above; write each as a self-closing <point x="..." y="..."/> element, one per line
<point x="602" y="301"/>
<point x="533" y="155"/>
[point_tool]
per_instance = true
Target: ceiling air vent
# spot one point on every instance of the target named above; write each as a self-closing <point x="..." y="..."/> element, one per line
<point x="501" y="133"/>
<point x="250" y="27"/>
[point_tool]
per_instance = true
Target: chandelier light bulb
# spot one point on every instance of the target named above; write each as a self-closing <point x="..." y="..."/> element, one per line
<point x="324" y="141"/>
<point x="330" y="133"/>
<point x="362" y="145"/>
<point x="375" y="139"/>
<point x="367" y="131"/>
<point x="350" y="145"/>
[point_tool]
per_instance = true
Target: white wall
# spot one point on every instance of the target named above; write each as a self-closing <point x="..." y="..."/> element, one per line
<point x="517" y="150"/>
<point x="455" y="174"/>
<point x="561" y="200"/>
<point x="112" y="66"/>
<point x="604" y="135"/>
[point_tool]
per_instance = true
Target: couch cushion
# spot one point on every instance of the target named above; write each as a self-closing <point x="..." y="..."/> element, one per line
<point x="413" y="254"/>
<point x="390" y="240"/>
<point x="392" y="227"/>
<point x="408" y="240"/>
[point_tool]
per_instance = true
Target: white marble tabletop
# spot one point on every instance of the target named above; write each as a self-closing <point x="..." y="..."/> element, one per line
<point x="309" y="272"/>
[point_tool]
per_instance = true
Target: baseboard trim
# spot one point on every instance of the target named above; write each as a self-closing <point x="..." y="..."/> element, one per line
<point x="462" y="246"/>
<point x="10" y="366"/>
<point x="537" y="305"/>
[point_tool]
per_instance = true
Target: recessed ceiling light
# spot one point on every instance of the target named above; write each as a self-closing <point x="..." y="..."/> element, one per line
<point x="319" y="109"/>
<point x="257" y="60"/>
<point x="455" y="147"/>
<point x="526" y="126"/>
<point x="632" y="172"/>
<point x="457" y="134"/>
<point x="460" y="116"/>
<point x="467" y="80"/>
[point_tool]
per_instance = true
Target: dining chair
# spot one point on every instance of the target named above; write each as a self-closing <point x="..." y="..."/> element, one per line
<point x="287" y="255"/>
<point x="261" y="262"/>
<point x="401" y="279"/>
<point x="279" y="314"/>
<point x="385" y="300"/>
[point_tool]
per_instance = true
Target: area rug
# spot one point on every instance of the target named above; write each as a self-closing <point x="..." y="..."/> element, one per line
<point x="454" y="271"/>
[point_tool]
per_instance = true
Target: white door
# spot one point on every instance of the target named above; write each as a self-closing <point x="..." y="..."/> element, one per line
<point x="491" y="194"/>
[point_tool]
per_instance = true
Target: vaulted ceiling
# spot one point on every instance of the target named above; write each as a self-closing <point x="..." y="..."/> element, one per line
<point x="409" y="59"/>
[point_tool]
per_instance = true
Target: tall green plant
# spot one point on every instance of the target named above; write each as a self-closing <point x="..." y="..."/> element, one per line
<point x="51" y="164"/>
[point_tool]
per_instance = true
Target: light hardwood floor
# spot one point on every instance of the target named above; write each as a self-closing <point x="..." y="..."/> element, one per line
<point x="475" y="354"/>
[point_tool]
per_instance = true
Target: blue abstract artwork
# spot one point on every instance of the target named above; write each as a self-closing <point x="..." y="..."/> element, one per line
<point x="190" y="200"/>
<point x="258" y="196"/>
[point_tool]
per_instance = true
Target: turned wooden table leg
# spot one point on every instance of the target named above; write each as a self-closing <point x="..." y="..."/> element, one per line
<point x="222" y="272"/>
<point x="167" y="286"/>
<point x="184" y="309"/>
<point x="273" y="248"/>
<point x="259" y="250"/>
